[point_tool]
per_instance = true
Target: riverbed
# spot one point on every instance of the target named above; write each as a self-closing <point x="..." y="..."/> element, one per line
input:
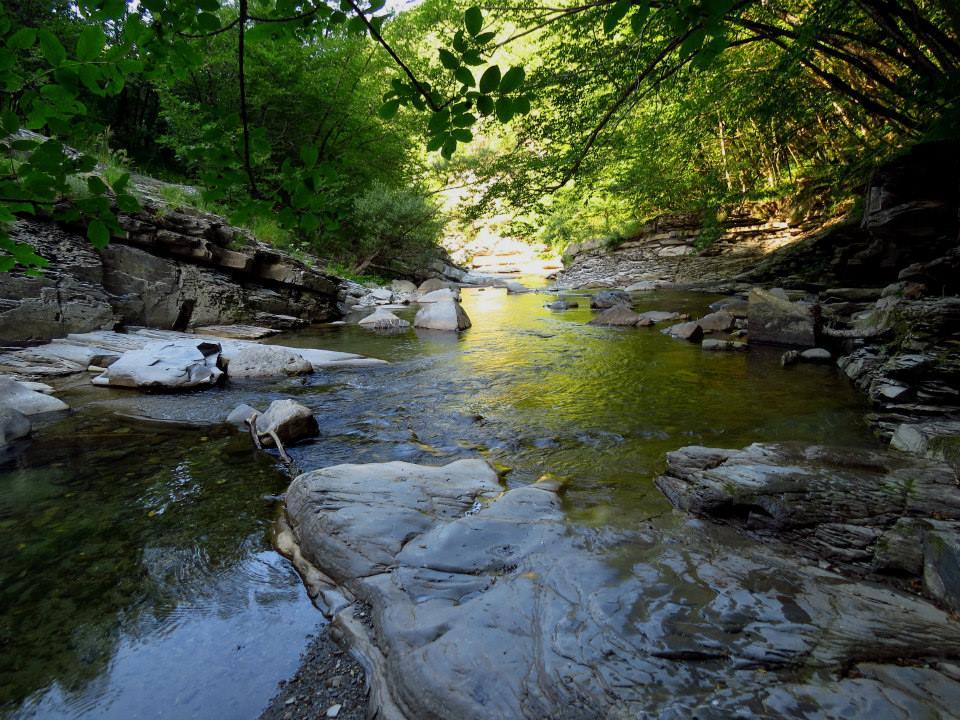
<point x="138" y="576"/>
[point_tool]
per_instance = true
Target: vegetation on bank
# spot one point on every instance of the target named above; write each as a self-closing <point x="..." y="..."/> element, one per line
<point x="331" y="127"/>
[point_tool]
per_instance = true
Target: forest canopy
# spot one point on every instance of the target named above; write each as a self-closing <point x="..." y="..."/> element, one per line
<point x="331" y="127"/>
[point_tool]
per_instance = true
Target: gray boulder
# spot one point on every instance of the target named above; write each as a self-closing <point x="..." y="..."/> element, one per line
<point x="16" y="396"/>
<point x="165" y="365"/>
<point x="383" y="320"/>
<point x="240" y="414"/>
<point x="428" y="286"/>
<point x="685" y="331"/>
<point x="251" y="360"/>
<point x="719" y="321"/>
<point x="722" y="345"/>
<point x="403" y="287"/>
<point x="618" y="315"/>
<point x="775" y="320"/>
<point x="657" y="316"/>
<point x="642" y="286"/>
<point x="447" y="315"/>
<point x="561" y="304"/>
<point x="609" y="298"/>
<point x="13" y="425"/>
<point x="816" y="355"/>
<point x="290" y="420"/>
<point x="941" y="566"/>
<point x="441" y="295"/>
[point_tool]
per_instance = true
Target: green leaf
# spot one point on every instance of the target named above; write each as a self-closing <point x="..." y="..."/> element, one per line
<point x="693" y="43"/>
<point x="128" y="203"/>
<point x="490" y="80"/>
<point x="639" y="18"/>
<point x="449" y="147"/>
<point x="615" y="15"/>
<point x="521" y="105"/>
<point x="504" y="109"/>
<point x="22" y="39"/>
<point x="485" y="104"/>
<point x="464" y="75"/>
<point x="389" y="109"/>
<point x="512" y="80"/>
<point x="435" y="142"/>
<point x="438" y="122"/>
<point x="473" y="20"/>
<point x="484" y="38"/>
<point x="462" y="134"/>
<point x="95" y="185"/>
<point x="464" y="120"/>
<point x="208" y="5"/>
<point x="208" y="22"/>
<point x="472" y="57"/>
<point x="309" y="155"/>
<point x="51" y="48"/>
<point x="460" y="42"/>
<point x="98" y="234"/>
<point x="448" y="59"/>
<point x="111" y="9"/>
<point x="357" y="26"/>
<point x="90" y="43"/>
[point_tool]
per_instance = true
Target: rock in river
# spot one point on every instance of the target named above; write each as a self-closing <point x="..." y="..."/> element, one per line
<point x="685" y="331"/>
<point x="17" y="396"/>
<point x="719" y="321"/>
<point x="447" y="315"/>
<point x="441" y="295"/>
<point x="382" y="319"/>
<point x="487" y="604"/>
<point x="775" y="320"/>
<point x="290" y="420"/>
<point x="167" y="365"/>
<point x="252" y="360"/>
<point x="13" y="425"/>
<point x="609" y="298"/>
<point x="617" y="315"/>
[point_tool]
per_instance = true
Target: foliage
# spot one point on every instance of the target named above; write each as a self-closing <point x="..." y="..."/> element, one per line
<point x="396" y="228"/>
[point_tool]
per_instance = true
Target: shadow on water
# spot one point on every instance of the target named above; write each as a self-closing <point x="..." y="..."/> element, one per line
<point x="137" y="578"/>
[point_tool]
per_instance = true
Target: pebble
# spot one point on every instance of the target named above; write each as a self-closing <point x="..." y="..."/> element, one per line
<point x="333" y="710"/>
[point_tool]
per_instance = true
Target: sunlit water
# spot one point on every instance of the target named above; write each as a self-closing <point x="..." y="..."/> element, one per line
<point x="137" y="579"/>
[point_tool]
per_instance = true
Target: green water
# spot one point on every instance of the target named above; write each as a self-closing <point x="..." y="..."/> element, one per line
<point x="137" y="578"/>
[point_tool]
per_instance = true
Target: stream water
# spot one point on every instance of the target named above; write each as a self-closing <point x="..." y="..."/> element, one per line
<point x="137" y="577"/>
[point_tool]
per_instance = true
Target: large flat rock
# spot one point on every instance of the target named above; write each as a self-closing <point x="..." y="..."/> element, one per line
<point x="490" y="604"/>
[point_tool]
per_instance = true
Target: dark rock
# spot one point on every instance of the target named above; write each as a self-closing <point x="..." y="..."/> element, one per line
<point x="941" y="566"/>
<point x="721" y="345"/>
<point x="610" y="298"/>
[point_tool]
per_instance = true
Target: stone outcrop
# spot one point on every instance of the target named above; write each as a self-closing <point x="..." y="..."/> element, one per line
<point x="165" y="365"/>
<point x="862" y="511"/>
<point x="175" y="269"/>
<point x="490" y="604"/>
<point x="777" y="321"/>
<point x="13" y="425"/>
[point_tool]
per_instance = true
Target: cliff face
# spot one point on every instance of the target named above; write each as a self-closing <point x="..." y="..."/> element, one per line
<point x="175" y="269"/>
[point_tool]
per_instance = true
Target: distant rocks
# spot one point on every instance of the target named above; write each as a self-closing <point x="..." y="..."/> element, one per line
<point x="561" y="304"/>
<point x="444" y="315"/>
<point x="642" y="286"/>
<point x="658" y="316"/>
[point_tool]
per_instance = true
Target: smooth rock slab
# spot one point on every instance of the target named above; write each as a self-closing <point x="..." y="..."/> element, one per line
<point x="491" y="605"/>
<point x="17" y="396"/>
<point x="441" y="295"/>
<point x="13" y="425"/>
<point x="382" y="319"/>
<point x="167" y="365"/>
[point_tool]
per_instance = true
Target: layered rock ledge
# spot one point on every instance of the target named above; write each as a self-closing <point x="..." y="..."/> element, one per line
<point x="486" y="603"/>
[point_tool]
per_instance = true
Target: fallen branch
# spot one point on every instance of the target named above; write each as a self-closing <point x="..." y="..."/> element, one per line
<point x="252" y="424"/>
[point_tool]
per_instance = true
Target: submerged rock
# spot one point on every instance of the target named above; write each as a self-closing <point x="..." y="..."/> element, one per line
<point x="657" y="316"/>
<point x="721" y="345"/>
<point x="561" y="304"/>
<point x="617" y="315"/>
<point x="485" y="604"/>
<point x="775" y="320"/>
<point x="167" y="365"/>
<point x="13" y="425"/>
<point x="446" y="315"/>
<point x="17" y="396"/>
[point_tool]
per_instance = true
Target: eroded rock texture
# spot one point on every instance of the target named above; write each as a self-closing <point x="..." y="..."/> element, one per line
<point x="491" y="605"/>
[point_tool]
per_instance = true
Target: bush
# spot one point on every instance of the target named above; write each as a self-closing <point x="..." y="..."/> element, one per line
<point x="395" y="229"/>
